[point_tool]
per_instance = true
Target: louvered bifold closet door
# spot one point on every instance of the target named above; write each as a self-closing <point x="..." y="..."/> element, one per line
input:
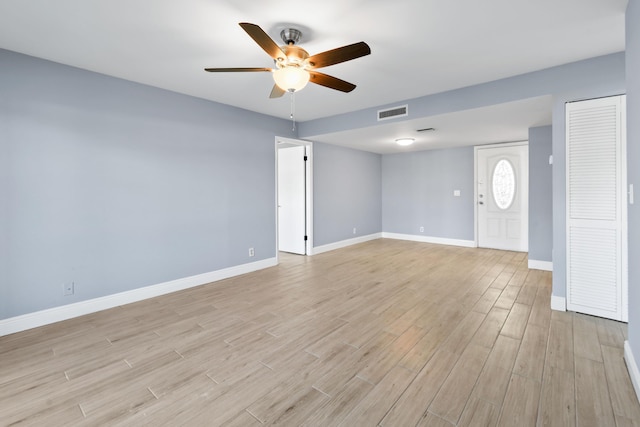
<point x="595" y="203"/>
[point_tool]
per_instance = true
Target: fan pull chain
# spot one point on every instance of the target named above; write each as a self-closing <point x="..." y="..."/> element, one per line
<point x="293" y="109"/>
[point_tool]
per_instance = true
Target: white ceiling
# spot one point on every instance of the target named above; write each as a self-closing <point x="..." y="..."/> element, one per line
<point x="419" y="47"/>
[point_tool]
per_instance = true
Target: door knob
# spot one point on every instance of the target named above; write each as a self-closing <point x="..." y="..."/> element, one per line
<point x="481" y="202"/>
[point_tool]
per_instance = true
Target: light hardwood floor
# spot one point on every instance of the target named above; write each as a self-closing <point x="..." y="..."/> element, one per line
<point x="386" y="333"/>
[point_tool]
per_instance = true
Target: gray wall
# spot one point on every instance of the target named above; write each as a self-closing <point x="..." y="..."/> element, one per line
<point x="540" y="197"/>
<point x="346" y="193"/>
<point x="417" y="190"/>
<point x="116" y="185"/>
<point x="633" y="156"/>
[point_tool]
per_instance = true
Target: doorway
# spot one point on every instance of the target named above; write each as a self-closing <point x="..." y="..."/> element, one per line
<point x="294" y="220"/>
<point x="502" y="196"/>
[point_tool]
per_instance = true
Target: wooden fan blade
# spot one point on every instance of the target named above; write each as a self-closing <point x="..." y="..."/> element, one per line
<point x="264" y="41"/>
<point x="330" y="82"/>
<point x="236" y="70"/>
<point x="338" y="55"/>
<point x="277" y="92"/>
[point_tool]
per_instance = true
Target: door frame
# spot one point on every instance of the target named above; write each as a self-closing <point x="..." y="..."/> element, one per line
<point x="475" y="184"/>
<point x="308" y="191"/>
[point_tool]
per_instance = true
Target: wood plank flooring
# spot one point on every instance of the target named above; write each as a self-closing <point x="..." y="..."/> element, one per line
<point x="385" y="333"/>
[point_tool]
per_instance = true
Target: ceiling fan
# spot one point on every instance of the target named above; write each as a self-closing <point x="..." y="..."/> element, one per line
<point x="294" y="68"/>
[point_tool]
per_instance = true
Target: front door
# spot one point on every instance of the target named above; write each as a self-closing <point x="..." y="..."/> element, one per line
<point x="502" y="196"/>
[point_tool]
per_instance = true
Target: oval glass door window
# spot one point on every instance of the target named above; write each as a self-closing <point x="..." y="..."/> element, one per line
<point x="504" y="184"/>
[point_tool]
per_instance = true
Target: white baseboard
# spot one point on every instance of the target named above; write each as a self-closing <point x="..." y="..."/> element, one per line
<point x="411" y="237"/>
<point x="429" y="239"/>
<point x="540" y="265"/>
<point x="632" y="367"/>
<point x="344" y="243"/>
<point x="57" y="314"/>
<point x="558" y="303"/>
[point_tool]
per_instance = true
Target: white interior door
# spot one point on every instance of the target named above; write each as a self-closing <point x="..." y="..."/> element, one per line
<point x="292" y="199"/>
<point x="596" y="207"/>
<point x="502" y="197"/>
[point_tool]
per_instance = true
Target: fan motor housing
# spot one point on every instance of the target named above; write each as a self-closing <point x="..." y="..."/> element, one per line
<point x="290" y="36"/>
<point x="295" y="54"/>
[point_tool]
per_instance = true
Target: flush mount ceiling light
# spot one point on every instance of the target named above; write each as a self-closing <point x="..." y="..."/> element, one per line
<point x="405" y="141"/>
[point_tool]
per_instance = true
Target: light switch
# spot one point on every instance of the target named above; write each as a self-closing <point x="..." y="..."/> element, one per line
<point x="456" y="193"/>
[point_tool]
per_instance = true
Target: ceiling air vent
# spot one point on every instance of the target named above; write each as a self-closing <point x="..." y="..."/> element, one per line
<point x="394" y="112"/>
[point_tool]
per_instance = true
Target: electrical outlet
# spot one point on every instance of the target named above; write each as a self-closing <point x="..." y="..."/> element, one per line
<point x="251" y="252"/>
<point x="422" y="229"/>
<point x="354" y="230"/>
<point x="456" y="193"/>
<point x="68" y="289"/>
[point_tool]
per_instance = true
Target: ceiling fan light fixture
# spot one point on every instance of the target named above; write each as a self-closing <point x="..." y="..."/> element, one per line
<point x="405" y="141"/>
<point x="294" y="68"/>
<point x="291" y="78"/>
